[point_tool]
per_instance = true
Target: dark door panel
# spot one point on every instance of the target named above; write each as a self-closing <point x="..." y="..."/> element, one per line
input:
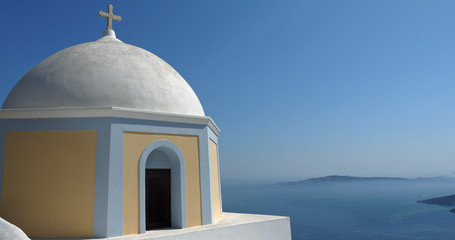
<point x="157" y="198"/>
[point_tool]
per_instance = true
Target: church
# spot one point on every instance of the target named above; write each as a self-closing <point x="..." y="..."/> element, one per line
<point x="106" y="139"/>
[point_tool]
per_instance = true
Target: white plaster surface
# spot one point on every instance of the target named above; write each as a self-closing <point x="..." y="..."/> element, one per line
<point x="231" y="226"/>
<point x="105" y="73"/>
<point x="9" y="231"/>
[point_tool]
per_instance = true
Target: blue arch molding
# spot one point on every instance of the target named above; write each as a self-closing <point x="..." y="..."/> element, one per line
<point x="175" y="155"/>
<point x="108" y="205"/>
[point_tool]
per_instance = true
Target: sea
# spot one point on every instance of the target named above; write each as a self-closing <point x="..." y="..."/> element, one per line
<point x="363" y="210"/>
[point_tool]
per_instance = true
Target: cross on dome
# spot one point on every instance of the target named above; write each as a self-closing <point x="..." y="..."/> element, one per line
<point x="109" y="15"/>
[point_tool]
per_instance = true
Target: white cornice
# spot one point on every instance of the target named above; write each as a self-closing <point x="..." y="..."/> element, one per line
<point x="32" y="113"/>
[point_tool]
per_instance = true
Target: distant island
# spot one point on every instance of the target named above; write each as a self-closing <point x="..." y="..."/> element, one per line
<point x="442" y="201"/>
<point x="340" y="179"/>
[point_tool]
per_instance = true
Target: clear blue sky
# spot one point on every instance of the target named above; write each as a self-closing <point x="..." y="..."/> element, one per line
<point x="299" y="88"/>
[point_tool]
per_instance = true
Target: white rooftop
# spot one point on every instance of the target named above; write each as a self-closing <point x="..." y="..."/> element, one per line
<point x="105" y="73"/>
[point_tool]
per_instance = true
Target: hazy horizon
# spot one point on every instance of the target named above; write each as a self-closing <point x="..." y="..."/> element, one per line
<point x="247" y="180"/>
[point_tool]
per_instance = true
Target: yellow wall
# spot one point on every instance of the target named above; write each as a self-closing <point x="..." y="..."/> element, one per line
<point x="134" y="145"/>
<point x="48" y="185"/>
<point x="215" y="179"/>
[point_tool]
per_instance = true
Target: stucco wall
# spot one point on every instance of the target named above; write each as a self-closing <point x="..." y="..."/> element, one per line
<point x="215" y="179"/>
<point x="134" y="145"/>
<point x="48" y="184"/>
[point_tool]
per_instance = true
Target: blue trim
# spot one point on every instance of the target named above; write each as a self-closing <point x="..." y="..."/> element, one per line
<point x="108" y="212"/>
<point x="115" y="198"/>
<point x="213" y="136"/>
<point x="54" y="124"/>
<point x="128" y="121"/>
<point x="170" y="149"/>
<point x="100" y="210"/>
<point x="162" y="130"/>
<point x="205" y="175"/>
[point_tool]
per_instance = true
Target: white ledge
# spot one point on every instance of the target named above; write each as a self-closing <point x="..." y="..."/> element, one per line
<point x="35" y="113"/>
<point x="230" y="226"/>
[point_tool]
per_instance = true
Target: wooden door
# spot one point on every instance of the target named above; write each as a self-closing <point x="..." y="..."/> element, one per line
<point x="157" y="198"/>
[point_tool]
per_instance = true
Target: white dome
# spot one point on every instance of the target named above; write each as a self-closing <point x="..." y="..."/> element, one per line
<point x="105" y="73"/>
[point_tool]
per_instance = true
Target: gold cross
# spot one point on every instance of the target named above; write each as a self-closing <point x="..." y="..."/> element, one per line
<point x="109" y="15"/>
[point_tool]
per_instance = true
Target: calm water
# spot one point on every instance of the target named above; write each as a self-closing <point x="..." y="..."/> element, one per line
<point x="367" y="210"/>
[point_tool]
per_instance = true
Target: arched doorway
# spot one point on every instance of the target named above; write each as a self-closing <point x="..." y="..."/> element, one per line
<point x="162" y="175"/>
